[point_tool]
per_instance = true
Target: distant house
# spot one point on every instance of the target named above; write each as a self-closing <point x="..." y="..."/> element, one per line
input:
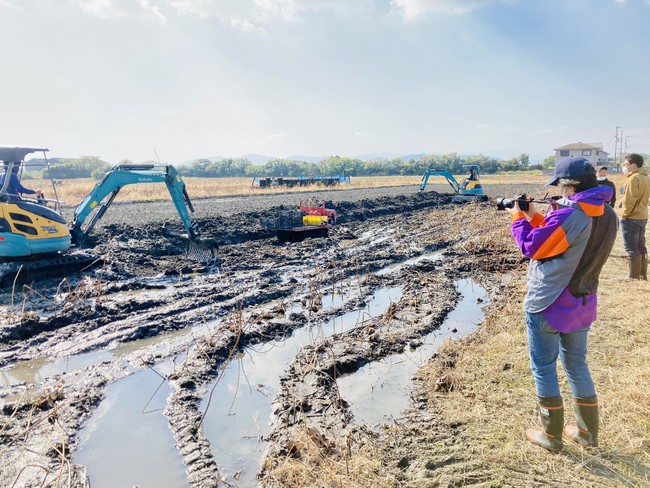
<point x="592" y="152"/>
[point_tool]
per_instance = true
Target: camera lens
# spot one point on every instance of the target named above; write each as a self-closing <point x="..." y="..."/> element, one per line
<point x="503" y="203"/>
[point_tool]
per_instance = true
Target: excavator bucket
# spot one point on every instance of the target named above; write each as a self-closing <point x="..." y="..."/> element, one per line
<point x="203" y="251"/>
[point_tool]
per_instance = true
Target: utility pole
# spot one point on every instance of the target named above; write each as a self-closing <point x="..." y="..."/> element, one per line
<point x="618" y="147"/>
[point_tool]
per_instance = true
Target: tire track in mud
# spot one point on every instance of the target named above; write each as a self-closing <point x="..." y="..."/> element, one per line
<point x="256" y="275"/>
<point x="309" y="399"/>
<point x="381" y="249"/>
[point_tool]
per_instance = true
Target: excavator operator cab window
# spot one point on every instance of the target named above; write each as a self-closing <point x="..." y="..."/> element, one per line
<point x="471" y="181"/>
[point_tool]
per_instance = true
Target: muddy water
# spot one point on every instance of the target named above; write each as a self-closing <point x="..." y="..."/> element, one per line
<point x="435" y="256"/>
<point x="127" y="442"/>
<point x="37" y="370"/>
<point x="26" y="375"/>
<point x="379" y="391"/>
<point x="239" y="414"/>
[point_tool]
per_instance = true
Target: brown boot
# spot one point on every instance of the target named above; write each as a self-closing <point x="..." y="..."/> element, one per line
<point x="585" y="432"/>
<point x="633" y="268"/>
<point x="551" y="412"/>
<point x="644" y="267"/>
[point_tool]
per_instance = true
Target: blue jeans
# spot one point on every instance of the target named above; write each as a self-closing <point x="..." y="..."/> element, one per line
<point x="634" y="236"/>
<point x="545" y="343"/>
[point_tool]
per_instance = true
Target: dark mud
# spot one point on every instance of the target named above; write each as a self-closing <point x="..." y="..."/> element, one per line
<point x="148" y="287"/>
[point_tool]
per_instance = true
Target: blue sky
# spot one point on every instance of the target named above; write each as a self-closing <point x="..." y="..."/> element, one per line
<point x="120" y="79"/>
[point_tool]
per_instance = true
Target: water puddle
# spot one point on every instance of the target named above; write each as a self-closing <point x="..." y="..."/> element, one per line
<point x="435" y="256"/>
<point x="35" y="371"/>
<point x="240" y="410"/>
<point x="380" y="390"/>
<point x="127" y="441"/>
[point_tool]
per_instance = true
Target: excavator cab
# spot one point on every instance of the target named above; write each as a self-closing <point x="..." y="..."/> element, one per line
<point x="28" y="225"/>
<point x="472" y="182"/>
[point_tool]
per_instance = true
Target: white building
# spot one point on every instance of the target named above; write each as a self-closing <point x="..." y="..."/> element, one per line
<point x="592" y="152"/>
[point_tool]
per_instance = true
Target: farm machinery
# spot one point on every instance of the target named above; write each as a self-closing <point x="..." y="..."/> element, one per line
<point x="288" y="182"/>
<point x="310" y="219"/>
<point x="470" y="190"/>
<point x="35" y="238"/>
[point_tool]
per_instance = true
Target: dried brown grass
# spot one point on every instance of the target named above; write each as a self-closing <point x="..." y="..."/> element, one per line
<point x="313" y="462"/>
<point x="493" y="391"/>
<point x="72" y="191"/>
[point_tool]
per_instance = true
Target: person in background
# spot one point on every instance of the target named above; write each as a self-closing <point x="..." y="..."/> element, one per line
<point x="567" y="248"/>
<point x="634" y="216"/>
<point x="472" y="180"/>
<point x="601" y="175"/>
<point x="14" y="188"/>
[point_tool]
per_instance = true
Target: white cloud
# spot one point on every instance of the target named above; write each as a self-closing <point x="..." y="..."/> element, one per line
<point x="412" y="9"/>
<point x="256" y="11"/>
<point x="202" y="8"/>
<point x="246" y="15"/>
<point x="154" y="10"/>
<point x="118" y="9"/>
<point x="8" y="4"/>
<point x="246" y="26"/>
<point x="103" y="9"/>
<point x="287" y="10"/>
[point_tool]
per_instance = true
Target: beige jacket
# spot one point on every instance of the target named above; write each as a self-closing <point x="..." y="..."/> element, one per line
<point x="637" y="194"/>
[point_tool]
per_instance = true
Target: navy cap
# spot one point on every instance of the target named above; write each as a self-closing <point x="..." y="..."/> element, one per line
<point x="569" y="168"/>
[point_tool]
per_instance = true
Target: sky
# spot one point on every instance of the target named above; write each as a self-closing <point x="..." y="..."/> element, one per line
<point x="178" y="80"/>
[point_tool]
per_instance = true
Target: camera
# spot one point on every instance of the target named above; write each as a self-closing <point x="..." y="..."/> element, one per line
<point x="522" y="200"/>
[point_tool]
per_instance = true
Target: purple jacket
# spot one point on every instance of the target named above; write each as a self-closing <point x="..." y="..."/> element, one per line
<point x="568" y="248"/>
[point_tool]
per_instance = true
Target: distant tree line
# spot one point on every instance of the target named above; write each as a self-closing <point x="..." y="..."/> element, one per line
<point x="94" y="167"/>
<point x="68" y="168"/>
<point x="336" y="165"/>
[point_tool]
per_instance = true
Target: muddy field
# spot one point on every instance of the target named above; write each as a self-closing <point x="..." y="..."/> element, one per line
<point x="150" y="307"/>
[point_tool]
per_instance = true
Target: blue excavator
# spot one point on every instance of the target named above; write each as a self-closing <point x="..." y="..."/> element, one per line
<point x="471" y="190"/>
<point x="34" y="227"/>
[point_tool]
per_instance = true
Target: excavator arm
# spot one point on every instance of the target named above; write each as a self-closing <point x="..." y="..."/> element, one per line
<point x="440" y="172"/>
<point x="104" y="192"/>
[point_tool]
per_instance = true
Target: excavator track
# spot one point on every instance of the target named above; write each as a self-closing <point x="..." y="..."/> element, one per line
<point x="26" y="270"/>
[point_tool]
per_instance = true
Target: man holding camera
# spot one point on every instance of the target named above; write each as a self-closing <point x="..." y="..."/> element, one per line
<point x="567" y="248"/>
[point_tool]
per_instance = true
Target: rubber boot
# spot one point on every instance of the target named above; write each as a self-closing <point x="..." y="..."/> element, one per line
<point x="551" y="413"/>
<point x="585" y="432"/>
<point x="644" y="267"/>
<point x="633" y="268"/>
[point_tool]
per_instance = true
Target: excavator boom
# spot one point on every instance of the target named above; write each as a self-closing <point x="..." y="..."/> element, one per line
<point x="104" y="192"/>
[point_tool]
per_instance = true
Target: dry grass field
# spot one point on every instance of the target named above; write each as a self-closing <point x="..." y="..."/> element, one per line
<point x="72" y="192"/>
